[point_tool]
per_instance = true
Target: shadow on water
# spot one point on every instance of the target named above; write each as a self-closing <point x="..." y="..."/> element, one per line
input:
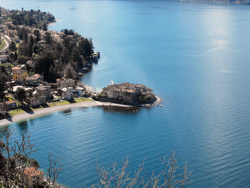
<point x="23" y="126"/>
<point x="67" y="112"/>
<point x="33" y="120"/>
<point x="127" y="110"/>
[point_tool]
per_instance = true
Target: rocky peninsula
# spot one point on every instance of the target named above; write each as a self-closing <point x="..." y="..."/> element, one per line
<point x="127" y="93"/>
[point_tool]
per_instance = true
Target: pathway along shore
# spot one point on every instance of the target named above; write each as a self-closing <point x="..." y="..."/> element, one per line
<point x="49" y="110"/>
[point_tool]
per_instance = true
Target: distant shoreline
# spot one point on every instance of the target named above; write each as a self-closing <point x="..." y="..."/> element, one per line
<point x="49" y="110"/>
<point x="222" y="2"/>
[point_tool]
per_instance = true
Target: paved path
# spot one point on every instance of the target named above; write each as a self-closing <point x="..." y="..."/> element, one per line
<point x="49" y="110"/>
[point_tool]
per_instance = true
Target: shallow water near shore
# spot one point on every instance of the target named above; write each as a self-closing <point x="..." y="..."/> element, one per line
<point x="196" y="58"/>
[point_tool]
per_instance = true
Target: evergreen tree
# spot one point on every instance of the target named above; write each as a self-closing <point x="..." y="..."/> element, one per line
<point x="12" y="46"/>
<point x="48" y="38"/>
<point x="20" y="95"/>
<point x="45" y="27"/>
<point x="75" y="55"/>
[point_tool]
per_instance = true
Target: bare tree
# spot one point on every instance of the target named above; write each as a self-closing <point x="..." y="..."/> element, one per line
<point x="17" y="152"/>
<point x="55" y="167"/>
<point x="22" y="153"/>
<point x="170" y="177"/>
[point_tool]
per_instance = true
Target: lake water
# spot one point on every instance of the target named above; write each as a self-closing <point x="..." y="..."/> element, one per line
<point x="196" y="57"/>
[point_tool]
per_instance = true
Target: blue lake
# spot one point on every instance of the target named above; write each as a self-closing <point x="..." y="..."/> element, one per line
<point x="196" y="57"/>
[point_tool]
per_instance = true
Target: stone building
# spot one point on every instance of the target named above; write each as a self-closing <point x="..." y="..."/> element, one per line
<point x="3" y="58"/>
<point x="127" y="93"/>
<point x="11" y="104"/>
<point x="34" y="79"/>
<point x="37" y="100"/>
<point x="66" y="94"/>
<point x="44" y="91"/>
<point x="34" y="176"/>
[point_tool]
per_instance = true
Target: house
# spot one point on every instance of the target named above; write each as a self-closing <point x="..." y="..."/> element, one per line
<point x="96" y="55"/>
<point x="31" y="63"/>
<point x="34" y="79"/>
<point x="54" y="85"/>
<point x="11" y="104"/>
<point x="66" y="94"/>
<point x="15" y="88"/>
<point x="34" y="176"/>
<point x="36" y="101"/>
<point x="3" y="58"/>
<point x="44" y="91"/>
<point x="19" y="74"/>
<point x="67" y="83"/>
<point x="80" y="91"/>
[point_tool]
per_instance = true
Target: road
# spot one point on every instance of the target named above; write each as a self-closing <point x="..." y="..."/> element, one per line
<point x="7" y="42"/>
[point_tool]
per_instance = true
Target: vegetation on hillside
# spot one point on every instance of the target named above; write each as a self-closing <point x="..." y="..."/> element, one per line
<point x="52" y="54"/>
<point x="31" y="18"/>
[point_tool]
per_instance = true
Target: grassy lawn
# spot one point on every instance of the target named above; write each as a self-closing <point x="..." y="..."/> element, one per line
<point x="16" y="112"/>
<point x="2" y="44"/>
<point x="83" y="100"/>
<point x="60" y="103"/>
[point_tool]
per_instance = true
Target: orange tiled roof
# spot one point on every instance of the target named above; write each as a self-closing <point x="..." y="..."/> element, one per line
<point x="10" y="102"/>
<point x="32" y="171"/>
<point x="16" y="68"/>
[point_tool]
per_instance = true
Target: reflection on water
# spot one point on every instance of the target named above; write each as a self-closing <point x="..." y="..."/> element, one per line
<point x="120" y="109"/>
<point x="66" y="112"/>
<point x="32" y="120"/>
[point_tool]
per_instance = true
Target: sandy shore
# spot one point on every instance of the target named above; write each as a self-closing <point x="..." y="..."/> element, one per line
<point x="49" y="110"/>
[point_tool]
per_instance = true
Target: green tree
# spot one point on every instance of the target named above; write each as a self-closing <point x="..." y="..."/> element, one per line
<point x="12" y="46"/>
<point x="3" y="80"/>
<point x="20" y="95"/>
<point x="45" y="27"/>
<point x="75" y="55"/>
<point x="48" y="38"/>
<point x="37" y="34"/>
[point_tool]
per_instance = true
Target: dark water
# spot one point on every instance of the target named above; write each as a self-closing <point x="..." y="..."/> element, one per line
<point x="195" y="56"/>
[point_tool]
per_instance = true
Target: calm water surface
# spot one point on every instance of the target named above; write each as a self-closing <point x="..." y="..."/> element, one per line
<point x="196" y="58"/>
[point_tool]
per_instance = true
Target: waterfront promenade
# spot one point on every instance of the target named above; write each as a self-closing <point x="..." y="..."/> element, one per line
<point x="45" y="111"/>
<point x="48" y="110"/>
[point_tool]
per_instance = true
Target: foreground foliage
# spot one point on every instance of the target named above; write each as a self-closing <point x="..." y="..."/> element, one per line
<point x="170" y="176"/>
<point x="15" y="157"/>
